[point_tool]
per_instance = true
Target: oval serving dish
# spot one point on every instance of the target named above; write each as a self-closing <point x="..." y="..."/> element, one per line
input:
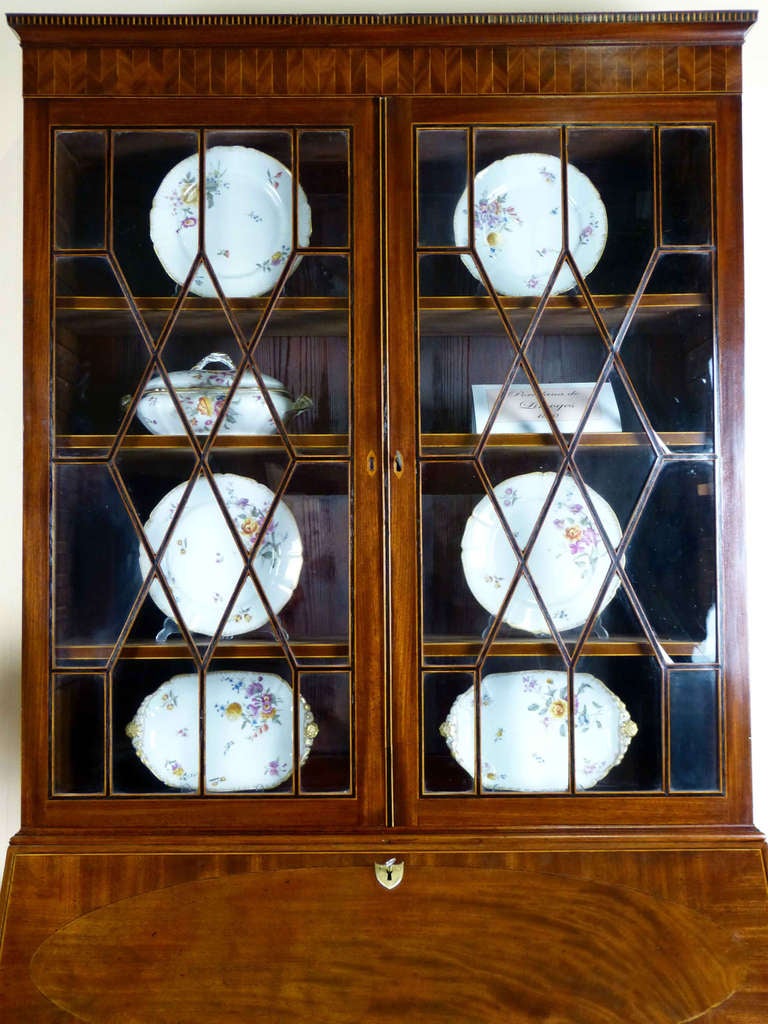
<point x="524" y="731"/>
<point x="248" y="731"/>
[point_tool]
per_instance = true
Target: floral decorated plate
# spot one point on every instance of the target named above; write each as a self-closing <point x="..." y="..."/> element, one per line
<point x="568" y="560"/>
<point x="248" y="220"/>
<point x="202" y="563"/>
<point x="248" y="731"/>
<point x="524" y="731"/>
<point x="518" y="223"/>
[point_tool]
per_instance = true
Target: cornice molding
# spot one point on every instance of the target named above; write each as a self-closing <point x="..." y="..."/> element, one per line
<point x="20" y="21"/>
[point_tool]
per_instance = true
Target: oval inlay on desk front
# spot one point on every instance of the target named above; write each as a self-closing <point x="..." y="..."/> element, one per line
<point x="331" y="946"/>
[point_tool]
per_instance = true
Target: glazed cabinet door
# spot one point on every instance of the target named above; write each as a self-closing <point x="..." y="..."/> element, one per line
<point x="561" y="473"/>
<point x="214" y="464"/>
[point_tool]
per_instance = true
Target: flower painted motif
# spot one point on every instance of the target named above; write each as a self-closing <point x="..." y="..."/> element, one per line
<point x="185" y="197"/>
<point x="587" y="232"/>
<point x="553" y="706"/>
<point x="184" y="778"/>
<point x="169" y="700"/>
<point x="573" y="522"/>
<point x="493" y="216"/>
<point x="274" y="179"/>
<point x="250" y="519"/>
<point x="276" y="768"/>
<point x="492" y="779"/>
<point x="275" y="260"/>
<point x="257" y="708"/>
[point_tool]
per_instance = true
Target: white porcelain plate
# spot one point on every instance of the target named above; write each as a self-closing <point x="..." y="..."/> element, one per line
<point x="248" y="731"/>
<point x="524" y="731"/>
<point x="202" y="563"/>
<point x="568" y="560"/>
<point x="248" y="220"/>
<point x="518" y="223"/>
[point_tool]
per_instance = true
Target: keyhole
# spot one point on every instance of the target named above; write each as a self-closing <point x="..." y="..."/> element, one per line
<point x="398" y="464"/>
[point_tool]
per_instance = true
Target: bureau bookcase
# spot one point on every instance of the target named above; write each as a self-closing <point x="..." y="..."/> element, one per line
<point x="384" y="631"/>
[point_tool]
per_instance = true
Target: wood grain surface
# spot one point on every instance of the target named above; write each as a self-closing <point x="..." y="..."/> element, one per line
<point x="599" y="937"/>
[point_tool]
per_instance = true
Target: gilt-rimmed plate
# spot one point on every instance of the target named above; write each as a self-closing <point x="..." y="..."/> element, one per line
<point x="518" y="223"/>
<point x="248" y="731"/>
<point x="568" y="561"/>
<point x="202" y="563"/>
<point x="248" y="220"/>
<point x="524" y="731"/>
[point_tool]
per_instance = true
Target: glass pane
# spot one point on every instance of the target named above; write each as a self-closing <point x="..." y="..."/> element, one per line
<point x="672" y="558"/>
<point x="78" y="734"/>
<point x="324" y="176"/>
<point x="155" y="727"/>
<point x="633" y="702"/>
<point x="668" y="351"/>
<point x="99" y="356"/>
<point x="694" y="738"/>
<point x="442" y="175"/>
<point x="327" y="767"/>
<point x="318" y="496"/>
<point x="146" y="186"/>
<point x="447" y="697"/>
<point x="81" y="178"/>
<point x="463" y="348"/>
<point x="450" y="608"/>
<point x="618" y="162"/>
<point x="686" y="187"/>
<point x="96" y="572"/>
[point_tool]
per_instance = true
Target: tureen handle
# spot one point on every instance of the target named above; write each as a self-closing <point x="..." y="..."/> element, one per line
<point x="301" y="404"/>
<point x="215" y="357"/>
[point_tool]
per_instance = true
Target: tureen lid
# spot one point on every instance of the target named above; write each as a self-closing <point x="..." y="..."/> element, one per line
<point x="204" y="375"/>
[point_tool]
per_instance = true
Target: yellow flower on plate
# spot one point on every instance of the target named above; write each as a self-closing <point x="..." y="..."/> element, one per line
<point x="189" y="192"/>
<point x="234" y="711"/>
<point x="558" y="709"/>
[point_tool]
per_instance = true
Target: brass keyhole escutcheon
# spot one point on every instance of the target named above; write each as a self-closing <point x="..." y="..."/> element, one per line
<point x="398" y="464"/>
<point x="390" y="873"/>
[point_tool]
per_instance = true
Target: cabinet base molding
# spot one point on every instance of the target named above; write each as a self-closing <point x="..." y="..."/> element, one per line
<point x="476" y="932"/>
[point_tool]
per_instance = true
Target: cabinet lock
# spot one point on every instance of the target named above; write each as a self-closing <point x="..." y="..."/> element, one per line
<point x="390" y="873"/>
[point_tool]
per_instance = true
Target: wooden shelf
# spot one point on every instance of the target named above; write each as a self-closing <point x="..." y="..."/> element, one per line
<point x="453" y="315"/>
<point x="101" y="314"/>
<point x="80" y="655"/>
<point x="100" y="445"/>
<point x="534" y="646"/>
<point x="465" y="444"/>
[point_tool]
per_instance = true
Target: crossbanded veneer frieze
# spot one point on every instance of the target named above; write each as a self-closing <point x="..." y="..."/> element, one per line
<point x="381" y="70"/>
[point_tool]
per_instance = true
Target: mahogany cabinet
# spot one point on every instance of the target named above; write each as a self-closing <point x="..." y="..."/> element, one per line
<point x="384" y="639"/>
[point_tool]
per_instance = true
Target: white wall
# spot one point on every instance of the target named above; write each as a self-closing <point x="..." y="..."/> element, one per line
<point x="756" y="154"/>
